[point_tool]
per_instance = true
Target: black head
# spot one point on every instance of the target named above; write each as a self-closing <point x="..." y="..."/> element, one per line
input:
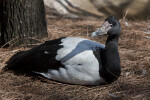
<point x="111" y="26"/>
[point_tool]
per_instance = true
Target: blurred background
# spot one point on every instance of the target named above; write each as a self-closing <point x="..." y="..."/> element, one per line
<point x="135" y="9"/>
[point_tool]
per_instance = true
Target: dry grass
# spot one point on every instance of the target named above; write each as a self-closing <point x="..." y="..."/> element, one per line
<point x="134" y="83"/>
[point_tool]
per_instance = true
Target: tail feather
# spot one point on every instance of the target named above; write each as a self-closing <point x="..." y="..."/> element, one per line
<point x="13" y="61"/>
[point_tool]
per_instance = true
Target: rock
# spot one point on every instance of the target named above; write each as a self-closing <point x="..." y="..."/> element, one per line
<point x="113" y="95"/>
<point x="143" y="72"/>
<point x="127" y="73"/>
<point x="126" y="23"/>
<point x="146" y="32"/>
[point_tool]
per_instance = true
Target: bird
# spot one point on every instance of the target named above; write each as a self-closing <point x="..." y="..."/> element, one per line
<point x="74" y="60"/>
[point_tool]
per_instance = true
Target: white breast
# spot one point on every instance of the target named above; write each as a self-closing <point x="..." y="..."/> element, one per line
<point x="81" y="66"/>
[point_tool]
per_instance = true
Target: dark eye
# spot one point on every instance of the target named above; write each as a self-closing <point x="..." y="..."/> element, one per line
<point x="114" y="24"/>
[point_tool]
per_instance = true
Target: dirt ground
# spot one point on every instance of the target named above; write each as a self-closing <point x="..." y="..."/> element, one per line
<point x="133" y="84"/>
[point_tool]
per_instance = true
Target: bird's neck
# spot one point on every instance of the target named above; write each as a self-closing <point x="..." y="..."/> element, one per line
<point x="111" y="59"/>
<point x="112" y="39"/>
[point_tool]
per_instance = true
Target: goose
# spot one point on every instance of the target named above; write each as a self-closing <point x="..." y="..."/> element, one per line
<point x="74" y="60"/>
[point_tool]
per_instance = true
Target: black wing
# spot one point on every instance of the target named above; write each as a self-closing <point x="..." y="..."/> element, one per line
<point x="40" y="58"/>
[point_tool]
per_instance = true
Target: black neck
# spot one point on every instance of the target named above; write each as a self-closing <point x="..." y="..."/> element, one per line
<point x="112" y="39"/>
<point x="110" y="60"/>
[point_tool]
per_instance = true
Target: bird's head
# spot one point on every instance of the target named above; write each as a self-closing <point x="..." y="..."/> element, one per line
<point x="111" y="26"/>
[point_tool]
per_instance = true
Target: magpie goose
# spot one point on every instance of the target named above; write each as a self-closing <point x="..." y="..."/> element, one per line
<point x="74" y="60"/>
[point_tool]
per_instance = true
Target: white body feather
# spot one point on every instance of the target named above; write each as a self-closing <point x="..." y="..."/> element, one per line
<point x="80" y="64"/>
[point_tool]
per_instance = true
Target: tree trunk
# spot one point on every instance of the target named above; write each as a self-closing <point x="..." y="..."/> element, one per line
<point x="22" y="22"/>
